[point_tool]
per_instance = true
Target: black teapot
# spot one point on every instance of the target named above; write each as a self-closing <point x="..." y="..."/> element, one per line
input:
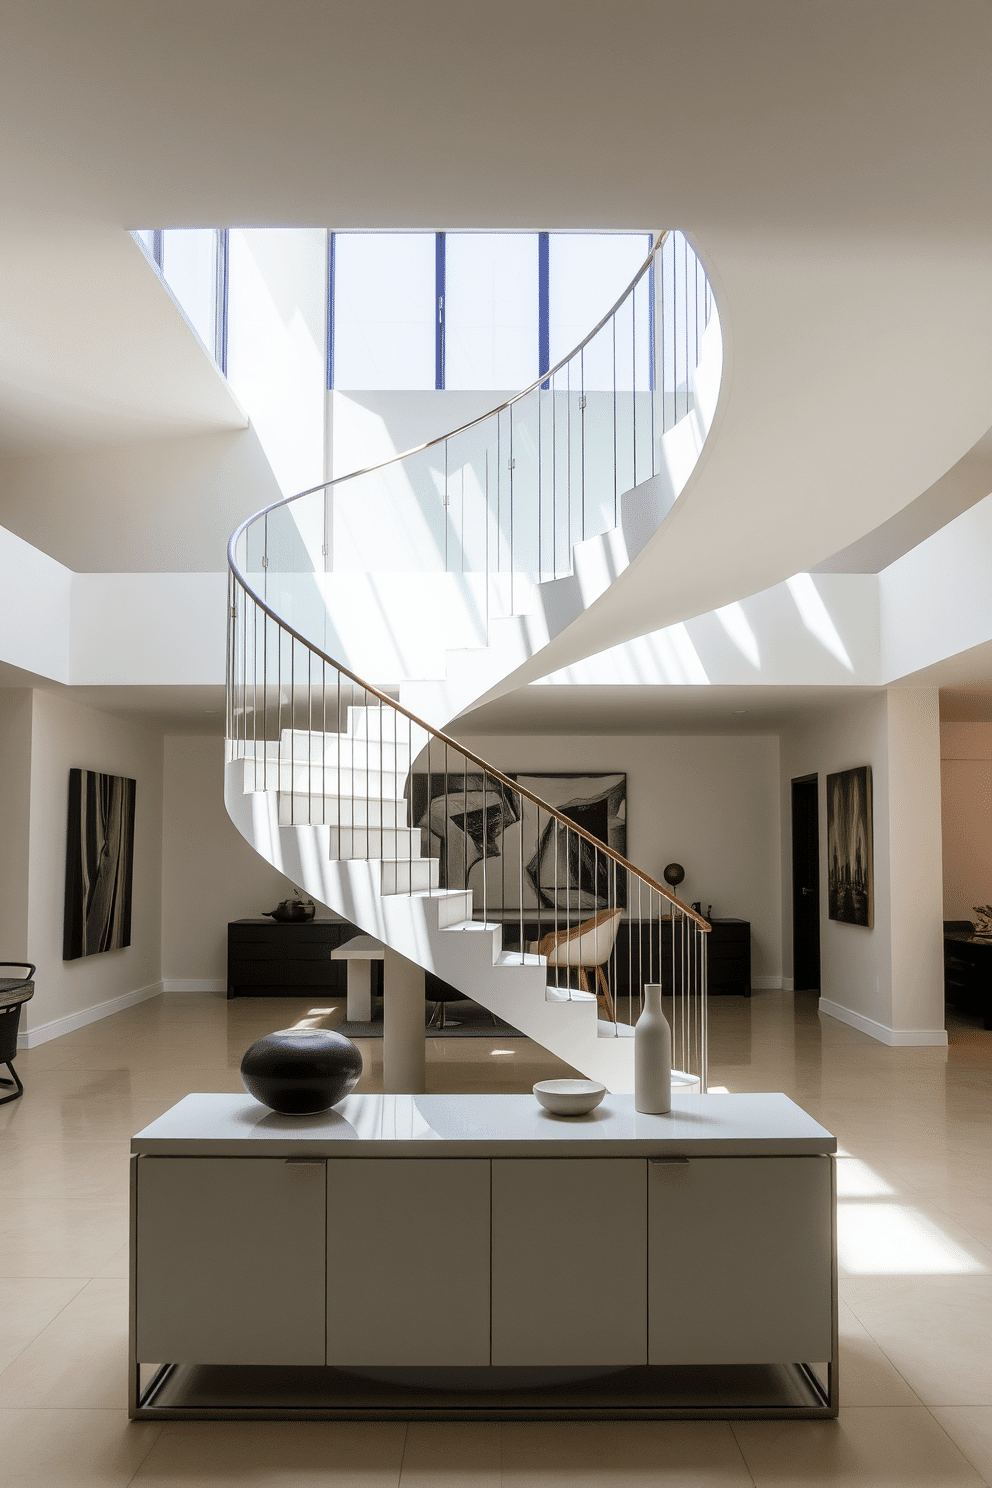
<point x="292" y="911"/>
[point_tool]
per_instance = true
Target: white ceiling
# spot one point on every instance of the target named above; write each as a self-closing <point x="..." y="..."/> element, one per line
<point x="832" y="162"/>
<point x="93" y="350"/>
<point x="766" y="115"/>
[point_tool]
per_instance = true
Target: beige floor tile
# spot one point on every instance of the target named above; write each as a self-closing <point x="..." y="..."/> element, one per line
<point x="71" y="1238"/>
<point x="452" y="1454"/>
<point x="28" y="1305"/>
<point x="970" y="1428"/>
<point x="880" y="1447"/>
<point x="935" y="1330"/>
<point x="81" y="1448"/>
<point x="265" y="1454"/>
<point x="79" y="1361"/>
<point x="867" y="1376"/>
<point x="634" y="1454"/>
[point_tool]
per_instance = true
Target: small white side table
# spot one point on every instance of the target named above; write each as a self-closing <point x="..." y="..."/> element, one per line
<point x="359" y="952"/>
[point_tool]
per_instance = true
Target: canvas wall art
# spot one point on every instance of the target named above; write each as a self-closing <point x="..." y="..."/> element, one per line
<point x="99" y="864"/>
<point x="849" y="847"/>
<point x="482" y="832"/>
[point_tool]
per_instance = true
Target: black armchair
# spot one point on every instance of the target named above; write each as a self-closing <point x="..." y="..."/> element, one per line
<point x="13" y="991"/>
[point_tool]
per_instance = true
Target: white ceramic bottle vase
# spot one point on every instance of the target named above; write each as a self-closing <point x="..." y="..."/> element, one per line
<point x="652" y="1056"/>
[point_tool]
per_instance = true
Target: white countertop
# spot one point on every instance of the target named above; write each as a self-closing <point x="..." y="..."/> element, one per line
<point x="485" y="1126"/>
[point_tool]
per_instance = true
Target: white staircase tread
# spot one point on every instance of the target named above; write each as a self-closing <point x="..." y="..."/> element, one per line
<point x="565" y="994"/>
<point x="514" y="958"/>
<point x="360" y="948"/>
<point x="614" y="1030"/>
<point x="487" y="925"/>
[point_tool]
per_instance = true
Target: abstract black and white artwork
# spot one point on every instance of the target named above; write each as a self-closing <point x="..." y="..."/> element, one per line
<point x="849" y="847"/>
<point x="484" y="834"/>
<point x="99" y="864"/>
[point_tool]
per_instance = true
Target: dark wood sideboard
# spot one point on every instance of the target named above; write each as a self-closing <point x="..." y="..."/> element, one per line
<point x="968" y="969"/>
<point x="269" y="958"/>
<point x="266" y="958"/>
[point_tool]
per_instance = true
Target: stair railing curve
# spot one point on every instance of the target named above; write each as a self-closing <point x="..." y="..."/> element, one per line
<point x="505" y="497"/>
<point x="344" y="755"/>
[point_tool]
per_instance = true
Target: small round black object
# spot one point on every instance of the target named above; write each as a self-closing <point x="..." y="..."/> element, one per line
<point x="674" y="874"/>
<point x="300" y="1071"/>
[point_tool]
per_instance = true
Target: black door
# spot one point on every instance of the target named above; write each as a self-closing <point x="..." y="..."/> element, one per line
<point x="805" y="885"/>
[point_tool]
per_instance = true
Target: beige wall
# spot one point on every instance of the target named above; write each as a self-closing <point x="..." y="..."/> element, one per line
<point x="708" y="803"/>
<point x="209" y="873"/>
<point x="64" y="736"/>
<point x="888" y="978"/>
<point x="15" y="778"/>
<point x="966" y="813"/>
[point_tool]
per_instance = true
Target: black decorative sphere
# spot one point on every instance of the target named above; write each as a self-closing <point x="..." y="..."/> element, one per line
<point x="300" y="1071"/>
<point x="674" y="874"/>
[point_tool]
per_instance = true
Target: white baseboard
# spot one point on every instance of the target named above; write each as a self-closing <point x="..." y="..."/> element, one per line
<point x="766" y="983"/>
<point x="788" y="984"/>
<point x="32" y="1037"/>
<point x="896" y="1038"/>
<point x="194" y="984"/>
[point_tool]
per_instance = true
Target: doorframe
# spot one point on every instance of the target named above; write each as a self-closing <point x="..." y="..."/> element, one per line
<point x="811" y="778"/>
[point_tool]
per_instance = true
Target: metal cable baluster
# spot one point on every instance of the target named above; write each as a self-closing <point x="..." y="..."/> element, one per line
<point x="582" y="435"/>
<point x="554" y="483"/>
<point x="520" y="891"/>
<point x="512" y="512"/>
<point x="633" y="382"/>
<point x="408" y="793"/>
<point x="310" y="735"/>
<point x="616" y="494"/>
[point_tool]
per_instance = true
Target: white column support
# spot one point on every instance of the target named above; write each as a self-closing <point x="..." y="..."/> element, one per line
<point x="359" y="991"/>
<point x="404" y="1070"/>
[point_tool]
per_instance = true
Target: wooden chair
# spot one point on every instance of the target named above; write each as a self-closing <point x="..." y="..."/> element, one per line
<point x="587" y="947"/>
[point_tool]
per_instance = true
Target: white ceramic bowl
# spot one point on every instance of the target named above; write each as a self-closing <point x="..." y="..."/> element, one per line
<point x="569" y="1097"/>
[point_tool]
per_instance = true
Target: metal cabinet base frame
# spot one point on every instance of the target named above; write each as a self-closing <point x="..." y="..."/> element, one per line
<point x="185" y="1392"/>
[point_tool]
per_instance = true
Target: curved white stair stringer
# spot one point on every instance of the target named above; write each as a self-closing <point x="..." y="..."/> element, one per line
<point x="474" y="674"/>
<point x="433" y="929"/>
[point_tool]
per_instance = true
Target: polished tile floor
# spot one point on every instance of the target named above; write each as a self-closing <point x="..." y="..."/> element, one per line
<point x="915" y="1228"/>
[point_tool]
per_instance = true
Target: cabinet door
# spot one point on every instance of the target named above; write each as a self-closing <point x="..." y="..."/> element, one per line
<point x="230" y="1261"/>
<point x="408" y="1243"/>
<point x="569" y="1261"/>
<point x="739" y="1260"/>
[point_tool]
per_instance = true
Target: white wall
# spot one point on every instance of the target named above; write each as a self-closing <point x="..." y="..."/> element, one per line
<point x="70" y="993"/>
<point x="15" y="782"/>
<point x="887" y="980"/>
<point x="276" y="357"/>
<point x="209" y="873"/>
<point x="711" y="804"/>
<point x="966" y="815"/>
<point x="154" y="506"/>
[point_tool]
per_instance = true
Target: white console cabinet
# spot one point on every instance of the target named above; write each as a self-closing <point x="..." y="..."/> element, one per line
<point x="478" y="1234"/>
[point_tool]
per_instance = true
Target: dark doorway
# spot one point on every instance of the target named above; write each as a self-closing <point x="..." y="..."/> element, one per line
<point x="805" y="885"/>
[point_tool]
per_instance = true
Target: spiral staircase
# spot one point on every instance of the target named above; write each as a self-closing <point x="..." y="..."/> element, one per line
<point x="366" y="801"/>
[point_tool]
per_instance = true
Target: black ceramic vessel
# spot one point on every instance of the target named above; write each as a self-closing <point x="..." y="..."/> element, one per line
<point x="300" y="1071"/>
<point x="292" y="911"/>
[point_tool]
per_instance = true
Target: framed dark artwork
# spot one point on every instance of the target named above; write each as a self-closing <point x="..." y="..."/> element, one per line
<point x="849" y="847"/>
<point x="99" y="864"/>
<point x="481" y="831"/>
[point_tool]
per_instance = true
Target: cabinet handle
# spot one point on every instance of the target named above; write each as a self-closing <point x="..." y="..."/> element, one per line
<point x="671" y="1169"/>
<point x="305" y="1164"/>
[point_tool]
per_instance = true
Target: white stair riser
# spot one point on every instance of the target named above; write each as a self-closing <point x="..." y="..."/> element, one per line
<point x="341" y="811"/>
<point x="376" y="842"/>
<point x="339" y="749"/>
<point x="373" y="785"/>
<point x="400" y="877"/>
